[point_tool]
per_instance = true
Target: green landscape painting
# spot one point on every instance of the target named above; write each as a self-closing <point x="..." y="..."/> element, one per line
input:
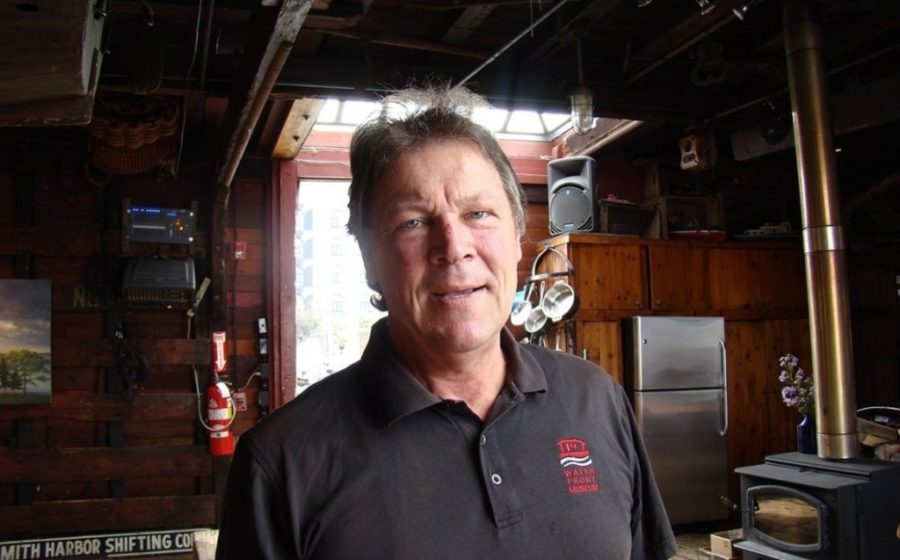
<point x="24" y="342"/>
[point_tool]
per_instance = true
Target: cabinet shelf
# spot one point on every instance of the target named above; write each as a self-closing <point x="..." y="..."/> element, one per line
<point x="694" y="212"/>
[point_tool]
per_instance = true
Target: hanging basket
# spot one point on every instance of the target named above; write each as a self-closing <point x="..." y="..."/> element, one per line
<point x="132" y="135"/>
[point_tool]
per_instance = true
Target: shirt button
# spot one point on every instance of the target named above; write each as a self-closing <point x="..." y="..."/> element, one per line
<point x="495" y="478"/>
<point x="483" y="440"/>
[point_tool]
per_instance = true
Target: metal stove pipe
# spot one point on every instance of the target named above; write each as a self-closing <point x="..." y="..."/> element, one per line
<point x="823" y="235"/>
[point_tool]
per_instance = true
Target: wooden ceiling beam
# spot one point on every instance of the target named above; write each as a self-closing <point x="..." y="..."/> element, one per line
<point x="297" y="126"/>
<point x="273" y="32"/>
<point x="260" y="67"/>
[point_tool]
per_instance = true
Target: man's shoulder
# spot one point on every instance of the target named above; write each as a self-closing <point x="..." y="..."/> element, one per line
<point x="322" y="407"/>
<point x="556" y="364"/>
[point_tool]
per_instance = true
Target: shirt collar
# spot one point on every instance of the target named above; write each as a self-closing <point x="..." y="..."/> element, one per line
<point x="396" y="394"/>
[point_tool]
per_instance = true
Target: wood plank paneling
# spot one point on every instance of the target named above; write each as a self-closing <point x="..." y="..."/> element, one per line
<point x="87" y="407"/>
<point x="74" y="516"/>
<point x="748" y="398"/>
<point x="603" y="342"/>
<point x="733" y="276"/>
<point x="604" y="285"/>
<point x="678" y="278"/>
<point x="147" y="444"/>
<point x="171" y="351"/>
<point x="102" y="463"/>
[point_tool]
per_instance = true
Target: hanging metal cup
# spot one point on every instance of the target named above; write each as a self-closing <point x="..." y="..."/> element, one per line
<point x="537" y="322"/>
<point x="560" y="302"/>
<point x="521" y="310"/>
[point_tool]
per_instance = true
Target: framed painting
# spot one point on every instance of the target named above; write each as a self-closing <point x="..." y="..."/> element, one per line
<point x="25" y="360"/>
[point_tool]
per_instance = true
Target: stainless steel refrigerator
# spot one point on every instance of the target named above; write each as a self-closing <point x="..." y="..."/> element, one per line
<point x="677" y="378"/>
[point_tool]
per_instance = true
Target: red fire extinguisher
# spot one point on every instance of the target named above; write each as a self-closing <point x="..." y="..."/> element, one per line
<point x="219" y="404"/>
<point x="220" y="408"/>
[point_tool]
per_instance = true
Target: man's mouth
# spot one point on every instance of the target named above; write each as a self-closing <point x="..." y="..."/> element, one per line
<point x="458" y="293"/>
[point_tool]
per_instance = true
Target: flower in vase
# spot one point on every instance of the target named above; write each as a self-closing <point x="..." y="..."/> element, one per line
<point x="798" y="385"/>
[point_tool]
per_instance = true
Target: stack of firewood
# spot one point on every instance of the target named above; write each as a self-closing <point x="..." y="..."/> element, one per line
<point x="884" y="439"/>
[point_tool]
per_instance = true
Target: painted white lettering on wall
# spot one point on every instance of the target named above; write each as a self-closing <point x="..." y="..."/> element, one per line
<point x="23" y="551"/>
<point x="159" y="542"/>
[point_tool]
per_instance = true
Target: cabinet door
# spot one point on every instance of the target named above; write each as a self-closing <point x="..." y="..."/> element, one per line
<point x="734" y="279"/>
<point x="783" y="280"/>
<point x="601" y="343"/>
<point x="609" y="276"/>
<point x="677" y="278"/>
<point x="757" y="279"/>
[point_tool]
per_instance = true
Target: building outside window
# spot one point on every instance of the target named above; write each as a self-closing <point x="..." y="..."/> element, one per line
<point x="334" y="315"/>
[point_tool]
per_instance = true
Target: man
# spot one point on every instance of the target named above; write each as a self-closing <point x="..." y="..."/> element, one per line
<point x="448" y="439"/>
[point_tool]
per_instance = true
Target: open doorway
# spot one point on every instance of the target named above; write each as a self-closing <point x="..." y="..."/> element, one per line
<point x="334" y="315"/>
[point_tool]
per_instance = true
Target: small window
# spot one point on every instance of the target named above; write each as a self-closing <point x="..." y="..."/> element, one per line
<point x="337" y="220"/>
<point x="337" y="305"/>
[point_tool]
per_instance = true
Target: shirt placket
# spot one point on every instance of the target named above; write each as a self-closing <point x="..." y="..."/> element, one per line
<point x="506" y="504"/>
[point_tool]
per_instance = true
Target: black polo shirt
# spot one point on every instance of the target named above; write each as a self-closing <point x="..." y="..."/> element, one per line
<point x="367" y="464"/>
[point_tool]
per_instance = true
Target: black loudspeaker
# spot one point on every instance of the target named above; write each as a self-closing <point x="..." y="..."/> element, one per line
<point x="571" y="187"/>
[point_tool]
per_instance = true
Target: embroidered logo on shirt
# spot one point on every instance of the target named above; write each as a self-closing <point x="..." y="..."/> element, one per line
<point x="577" y="465"/>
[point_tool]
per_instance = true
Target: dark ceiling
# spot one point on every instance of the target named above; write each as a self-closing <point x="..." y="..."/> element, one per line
<point x="246" y="65"/>
<point x="664" y="61"/>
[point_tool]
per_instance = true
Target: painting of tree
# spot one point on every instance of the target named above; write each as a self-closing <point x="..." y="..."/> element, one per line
<point x="25" y="361"/>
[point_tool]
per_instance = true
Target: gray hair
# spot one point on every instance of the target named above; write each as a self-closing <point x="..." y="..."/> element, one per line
<point x="408" y="119"/>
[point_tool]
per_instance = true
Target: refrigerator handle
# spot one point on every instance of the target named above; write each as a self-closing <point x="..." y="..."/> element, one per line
<point x="724" y="423"/>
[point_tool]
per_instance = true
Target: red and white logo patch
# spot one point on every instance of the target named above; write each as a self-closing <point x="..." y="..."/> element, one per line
<point x="577" y="465"/>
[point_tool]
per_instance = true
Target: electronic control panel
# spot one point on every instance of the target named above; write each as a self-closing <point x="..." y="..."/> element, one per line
<point x="154" y="224"/>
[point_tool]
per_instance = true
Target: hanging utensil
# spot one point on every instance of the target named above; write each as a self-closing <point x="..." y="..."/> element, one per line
<point x="522" y="309"/>
<point x="560" y="302"/>
<point x="537" y="322"/>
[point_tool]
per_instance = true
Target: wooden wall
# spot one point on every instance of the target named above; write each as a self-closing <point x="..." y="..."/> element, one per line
<point x="95" y="460"/>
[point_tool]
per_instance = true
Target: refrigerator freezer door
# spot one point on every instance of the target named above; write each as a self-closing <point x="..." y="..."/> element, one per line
<point x="678" y="352"/>
<point x="682" y="433"/>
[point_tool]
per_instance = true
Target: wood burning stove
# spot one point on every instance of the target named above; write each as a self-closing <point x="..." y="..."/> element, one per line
<point x="803" y="507"/>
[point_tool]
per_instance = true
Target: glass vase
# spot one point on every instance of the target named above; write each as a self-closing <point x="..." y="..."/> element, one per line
<point x="806" y="434"/>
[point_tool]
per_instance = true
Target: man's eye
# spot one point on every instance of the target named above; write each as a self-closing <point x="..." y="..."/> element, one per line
<point x="412" y="224"/>
<point x="478" y="214"/>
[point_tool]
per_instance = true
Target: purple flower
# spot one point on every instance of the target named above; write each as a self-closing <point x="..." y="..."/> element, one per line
<point x="798" y="389"/>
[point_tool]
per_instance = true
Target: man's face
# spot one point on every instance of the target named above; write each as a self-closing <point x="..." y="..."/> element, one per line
<point x="442" y="246"/>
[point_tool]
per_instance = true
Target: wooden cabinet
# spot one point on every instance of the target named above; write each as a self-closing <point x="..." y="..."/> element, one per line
<point x="611" y="277"/>
<point x="757" y="280"/>
<point x="758" y="287"/>
<point x="678" y="278"/>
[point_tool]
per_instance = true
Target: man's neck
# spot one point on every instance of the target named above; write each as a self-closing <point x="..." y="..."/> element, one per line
<point x="474" y="380"/>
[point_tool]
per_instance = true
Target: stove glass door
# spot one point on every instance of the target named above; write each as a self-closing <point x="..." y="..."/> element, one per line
<point x="787" y="518"/>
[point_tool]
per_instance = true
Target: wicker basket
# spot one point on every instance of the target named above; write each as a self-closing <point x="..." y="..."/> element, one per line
<point x="132" y="135"/>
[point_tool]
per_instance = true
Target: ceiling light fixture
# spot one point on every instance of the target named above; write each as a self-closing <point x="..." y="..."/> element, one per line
<point x="643" y="3"/>
<point x="741" y="11"/>
<point x="582" y="101"/>
<point x="706" y="6"/>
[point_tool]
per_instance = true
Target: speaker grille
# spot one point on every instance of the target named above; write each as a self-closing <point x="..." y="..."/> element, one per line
<point x="570" y="210"/>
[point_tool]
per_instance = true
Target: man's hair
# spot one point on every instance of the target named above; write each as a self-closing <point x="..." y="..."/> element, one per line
<point x="407" y="120"/>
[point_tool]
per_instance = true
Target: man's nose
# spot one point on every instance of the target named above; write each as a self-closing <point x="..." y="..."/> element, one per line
<point x="451" y="241"/>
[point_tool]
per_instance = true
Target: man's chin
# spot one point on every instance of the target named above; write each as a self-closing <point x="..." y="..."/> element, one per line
<point x="468" y="336"/>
